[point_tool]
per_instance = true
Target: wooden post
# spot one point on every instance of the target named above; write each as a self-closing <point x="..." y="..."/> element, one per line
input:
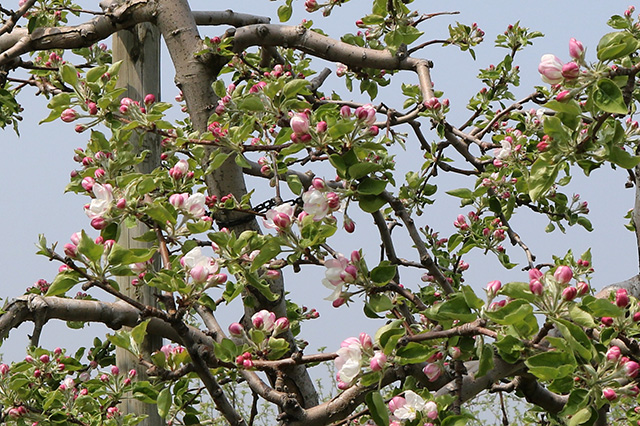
<point x="139" y="51"/>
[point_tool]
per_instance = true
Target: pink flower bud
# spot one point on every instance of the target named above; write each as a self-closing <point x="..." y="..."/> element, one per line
<point x="569" y="293"/>
<point x="563" y="274"/>
<point x="104" y="378"/>
<point x="583" y="288"/>
<point x="281" y="324"/>
<point x="493" y="287"/>
<point x="576" y="49"/>
<point x="366" y="113"/>
<point x="319" y="184"/>
<point x="563" y="96"/>
<point x="608" y="321"/>
<point x="4" y="369"/>
<point x="378" y="361"/>
<point x="622" y="298"/>
<point x="321" y="127"/>
<point x="534" y="274"/>
<point x="365" y="340"/>
<point x="115" y="370"/>
<point x="570" y="71"/>
<point x="536" y="287"/>
<point x="373" y="130"/>
<point x="178" y="200"/>
<point x="93" y="108"/>
<point x="247" y="363"/>
<point x="98" y="223"/>
<point x="355" y="256"/>
<point x="68" y="115"/>
<point x="345" y="111"/>
<point x="149" y="99"/>
<point x="199" y="274"/>
<point x="87" y="183"/>
<point x="542" y="146"/>
<point x="338" y="302"/>
<point x="299" y="124"/>
<point x="609" y="394"/>
<point x="550" y="68"/>
<point x="631" y="368"/>
<point x="349" y="225"/>
<point x="236" y="329"/>
<point x="71" y="250"/>
<point x="636" y="316"/>
<point x="432" y="371"/>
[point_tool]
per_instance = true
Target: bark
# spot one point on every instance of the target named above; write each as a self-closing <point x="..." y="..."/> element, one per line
<point x="194" y="77"/>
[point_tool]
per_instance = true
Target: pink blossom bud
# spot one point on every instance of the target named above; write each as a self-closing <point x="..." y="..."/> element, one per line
<point x="542" y="146"/>
<point x="57" y="351"/>
<point x="311" y="5"/>
<point x="149" y="99"/>
<point x="338" y="302"/>
<point x="281" y="324"/>
<point x="29" y="359"/>
<point x="636" y="316"/>
<point x="87" y="183"/>
<point x="104" y="378"/>
<point x="550" y="68"/>
<point x="124" y="109"/>
<point x="99" y="173"/>
<point x="345" y="111"/>
<point x="93" y="108"/>
<point x="622" y="298"/>
<point x="432" y="371"/>
<point x="607" y="321"/>
<point x="576" y="49"/>
<point x="569" y="293"/>
<point x="536" y="287"/>
<point x="318" y="184"/>
<point x="365" y="340"/>
<point x="71" y="250"/>
<point x="247" y="363"/>
<point x="455" y="352"/>
<point x="178" y="200"/>
<point x="132" y="373"/>
<point x="609" y="394"/>
<point x="349" y="225"/>
<point x="236" y="329"/>
<point x="534" y="274"/>
<point x="378" y="361"/>
<point x="570" y="71"/>
<point x="333" y="200"/>
<point x="563" y="274"/>
<point x="68" y="115"/>
<point x="631" y="368"/>
<point x="493" y="287"/>
<point x="583" y="288"/>
<point x="366" y="113"/>
<point x="355" y="256"/>
<point x="563" y="96"/>
<point x="121" y="203"/>
<point x="321" y="127"/>
<point x="37" y="373"/>
<point x="115" y="370"/>
<point x="98" y="223"/>
<point x="373" y="130"/>
<point x="4" y="369"/>
<point x="299" y="124"/>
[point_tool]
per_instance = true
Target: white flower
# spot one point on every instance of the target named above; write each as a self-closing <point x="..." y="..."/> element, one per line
<point x="102" y="203"/>
<point x="504" y="152"/>
<point x="335" y="275"/>
<point x="195" y="258"/>
<point x="348" y="362"/>
<point x="315" y="204"/>
<point x="414" y="404"/>
<point x="195" y="205"/>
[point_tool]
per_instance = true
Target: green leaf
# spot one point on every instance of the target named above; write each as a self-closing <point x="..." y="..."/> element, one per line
<point x="89" y="248"/>
<point x="284" y="12"/>
<point x="251" y="103"/>
<point x="603" y="308"/>
<point x="164" y="402"/>
<point x="464" y="193"/>
<point x="294" y="184"/>
<point x="608" y="97"/>
<point x="578" y="399"/>
<point x="581" y="417"/>
<point x="581" y="317"/>
<point x="623" y="158"/>
<point x="160" y="214"/>
<point x="509" y="348"/>
<point x="371" y="203"/>
<point x="120" y="255"/>
<point x="513" y="312"/>
<point x="458" y="420"/>
<point x="69" y="74"/>
<point x="360" y="170"/>
<point x="576" y="338"/>
<point x="455" y="308"/>
<point x="63" y="282"/>
<point x="277" y="348"/>
<point x="380" y="302"/>
<point x="485" y="362"/>
<point x="369" y="186"/>
<point x="616" y="45"/>
<point x="413" y="353"/>
<point x="551" y="365"/>
<point x="387" y="337"/>
<point x="377" y="408"/>
<point x="542" y="177"/>
<point x="383" y="273"/>
<point x="139" y="332"/>
<point x="267" y="252"/>
<point x="294" y="87"/>
<point x="95" y="73"/>
<point x="216" y="160"/>
<point x="242" y="161"/>
<point x="473" y="301"/>
<point x="518" y="290"/>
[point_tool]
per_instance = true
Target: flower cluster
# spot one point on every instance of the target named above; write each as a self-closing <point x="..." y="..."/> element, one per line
<point x="354" y="352"/>
<point x="340" y="271"/>
<point x="554" y="71"/>
<point x="411" y="406"/>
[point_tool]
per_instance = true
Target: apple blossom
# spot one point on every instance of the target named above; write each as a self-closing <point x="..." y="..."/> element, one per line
<point x="195" y="205"/>
<point x="299" y="123"/>
<point x="281" y="324"/>
<point x="264" y="320"/>
<point x="366" y="113"/>
<point x="609" y="394"/>
<point x="570" y="70"/>
<point x="431" y="410"/>
<point x="412" y="406"/>
<point x="550" y="68"/>
<point x="622" y="298"/>
<point x="536" y="287"/>
<point x="493" y="287"/>
<point x="348" y="362"/>
<point x="335" y="275"/>
<point x="315" y="204"/>
<point x="505" y="151"/>
<point x="68" y="115"/>
<point x="607" y="321"/>
<point x="101" y="204"/>
<point x="631" y="368"/>
<point x="569" y="293"/>
<point x="199" y="266"/>
<point x="4" y="369"/>
<point x="396" y="402"/>
<point x="280" y="217"/>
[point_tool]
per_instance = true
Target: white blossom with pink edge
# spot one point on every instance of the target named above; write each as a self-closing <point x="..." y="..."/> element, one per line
<point x="100" y="205"/>
<point x="349" y="361"/>
<point x="316" y="204"/>
<point x="335" y="275"/>
<point x="196" y="260"/>
<point x="279" y="217"/>
<point x="195" y="205"/>
<point x="414" y="404"/>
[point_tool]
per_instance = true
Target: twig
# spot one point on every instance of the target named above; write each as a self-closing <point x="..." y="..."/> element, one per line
<point x="14" y="17"/>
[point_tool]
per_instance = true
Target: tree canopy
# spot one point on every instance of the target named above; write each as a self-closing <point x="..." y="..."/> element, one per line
<point x="218" y="214"/>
